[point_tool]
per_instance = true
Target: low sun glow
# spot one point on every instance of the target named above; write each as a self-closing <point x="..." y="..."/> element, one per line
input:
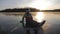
<point x="39" y="16"/>
<point x="40" y="4"/>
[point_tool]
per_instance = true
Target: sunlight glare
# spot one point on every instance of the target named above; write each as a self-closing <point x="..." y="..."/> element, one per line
<point x="39" y="16"/>
<point x="40" y="4"/>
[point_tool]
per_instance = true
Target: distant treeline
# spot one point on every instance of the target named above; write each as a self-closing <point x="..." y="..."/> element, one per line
<point x="20" y="10"/>
<point x="31" y="9"/>
<point x="55" y="10"/>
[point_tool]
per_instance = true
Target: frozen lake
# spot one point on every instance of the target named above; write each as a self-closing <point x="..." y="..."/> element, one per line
<point x="11" y="23"/>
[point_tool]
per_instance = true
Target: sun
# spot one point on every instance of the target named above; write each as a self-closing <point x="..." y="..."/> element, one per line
<point x="40" y="4"/>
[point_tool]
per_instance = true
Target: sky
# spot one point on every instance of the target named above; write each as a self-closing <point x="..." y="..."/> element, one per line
<point x="39" y="4"/>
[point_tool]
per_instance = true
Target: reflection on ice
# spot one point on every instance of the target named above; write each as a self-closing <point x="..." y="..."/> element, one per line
<point x="39" y="16"/>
